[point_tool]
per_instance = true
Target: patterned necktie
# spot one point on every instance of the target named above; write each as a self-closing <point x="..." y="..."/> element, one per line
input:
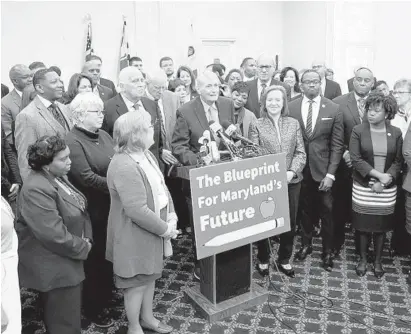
<point x="264" y="86"/>
<point x="309" y="127"/>
<point x="361" y="107"/>
<point x="162" y="125"/>
<point x="136" y="106"/>
<point x="55" y="111"/>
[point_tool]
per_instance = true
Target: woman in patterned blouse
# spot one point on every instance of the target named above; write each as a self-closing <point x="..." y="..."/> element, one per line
<point x="279" y="133"/>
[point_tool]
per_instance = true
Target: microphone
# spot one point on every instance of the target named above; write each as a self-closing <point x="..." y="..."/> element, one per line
<point x="217" y="130"/>
<point x="232" y="131"/>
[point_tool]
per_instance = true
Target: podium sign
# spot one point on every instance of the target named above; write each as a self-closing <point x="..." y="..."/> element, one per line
<point x="239" y="202"/>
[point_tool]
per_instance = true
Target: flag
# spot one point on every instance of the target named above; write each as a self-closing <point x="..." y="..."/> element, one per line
<point x="89" y="42"/>
<point x="192" y="52"/>
<point x="124" y="49"/>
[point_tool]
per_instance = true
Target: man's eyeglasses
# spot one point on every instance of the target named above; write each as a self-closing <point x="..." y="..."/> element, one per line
<point x="309" y="82"/>
<point x="394" y="92"/>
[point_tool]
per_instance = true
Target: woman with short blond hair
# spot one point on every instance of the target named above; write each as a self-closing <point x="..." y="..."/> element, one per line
<point x="141" y="221"/>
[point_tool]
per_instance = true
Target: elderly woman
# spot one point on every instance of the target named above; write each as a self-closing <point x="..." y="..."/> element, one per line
<point x="279" y="133"/>
<point x="54" y="233"/>
<point x="141" y="220"/>
<point x="91" y="150"/>
<point x="289" y="75"/>
<point x="185" y="74"/>
<point x="79" y="83"/>
<point x="376" y="155"/>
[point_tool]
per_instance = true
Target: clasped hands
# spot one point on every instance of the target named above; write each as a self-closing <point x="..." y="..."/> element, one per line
<point x="171" y="232"/>
<point x="378" y="186"/>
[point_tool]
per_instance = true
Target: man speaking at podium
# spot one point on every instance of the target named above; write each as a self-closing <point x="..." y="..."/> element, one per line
<point x="193" y="119"/>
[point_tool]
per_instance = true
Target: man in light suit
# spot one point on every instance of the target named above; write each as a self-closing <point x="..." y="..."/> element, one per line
<point x="192" y="120"/>
<point x="168" y="104"/>
<point x="323" y="134"/>
<point x="21" y="77"/>
<point x="406" y="151"/>
<point x="131" y="99"/>
<point x="265" y="70"/>
<point x="43" y="116"/>
<point x="329" y="89"/>
<point x="352" y="108"/>
<point x="93" y="69"/>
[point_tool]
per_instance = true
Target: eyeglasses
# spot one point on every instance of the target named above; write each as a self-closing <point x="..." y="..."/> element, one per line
<point x="394" y="92"/>
<point x="309" y="82"/>
<point x="366" y="80"/>
<point x="264" y="67"/>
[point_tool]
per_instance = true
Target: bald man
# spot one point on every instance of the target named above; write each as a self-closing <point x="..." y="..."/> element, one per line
<point x="132" y="99"/>
<point x="329" y="89"/>
<point x="265" y="71"/>
<point x="21" y="77"/>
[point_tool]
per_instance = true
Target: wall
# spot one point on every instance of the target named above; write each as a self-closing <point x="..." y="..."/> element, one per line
<point x="54" y="32"/>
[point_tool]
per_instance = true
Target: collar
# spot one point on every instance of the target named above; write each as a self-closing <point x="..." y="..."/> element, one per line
<point x="206" y="106"/>
<point x="19" y="93"/>
<point x="129" y="103"/>
<point x="46" y="102"/>
<point x="92" y="135"/>
<point x="259" y="83"/>
<point x="316" y="99"/>
<point x="357" y="98"/>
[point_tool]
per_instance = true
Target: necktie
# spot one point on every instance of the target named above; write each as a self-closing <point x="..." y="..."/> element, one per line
<point x="361" y="106"/>
<point x="162" y="126"/>
<point x="55" y="111"/>
<point x="136" y="106"/>
<point x="309" y="126"/>
<point x="262" y="90"/>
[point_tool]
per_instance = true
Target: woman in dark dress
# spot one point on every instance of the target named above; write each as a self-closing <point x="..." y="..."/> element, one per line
<point x="376" y="155"/>
<point x="91" y="150"/>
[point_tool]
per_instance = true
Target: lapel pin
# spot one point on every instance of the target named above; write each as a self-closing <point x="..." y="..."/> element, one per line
<point x="323" y="106"/>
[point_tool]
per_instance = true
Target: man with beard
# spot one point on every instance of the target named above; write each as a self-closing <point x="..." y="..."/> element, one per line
<point x="323" y="134"/>
<point x="352" y="107"/>
<point x="44" y="116"/>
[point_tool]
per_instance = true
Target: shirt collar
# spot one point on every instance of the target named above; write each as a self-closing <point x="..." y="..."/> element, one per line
<point x="46" y="102"/>
<point x="259" y="83"/>
<point x="358" y="98"/>
<point x="316" y="99"/>
<point x="18" y="92"/>
<point x="129" y="103"/>
<point x="206" y="106"/>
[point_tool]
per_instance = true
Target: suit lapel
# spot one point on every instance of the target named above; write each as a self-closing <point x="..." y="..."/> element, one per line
<point x="321" y="114"/>
<point x="390" y="146"/>
<point x="121" y="106"/>
<point x="47" y="115"/>
<point x="200" y="113"/>
<point x="16" y="98"/>
<point x="352" y="106"/>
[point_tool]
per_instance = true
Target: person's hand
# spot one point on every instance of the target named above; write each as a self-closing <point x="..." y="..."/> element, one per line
<point x="325" y="184"/>
<point x="14" y="190"/>
<point x="347" y="158"/>
<point x="290" y="176"/>
<point x="170" y="233"/>
<point x="89" y="244"/>
<point x="385" y="178"/>
<point x="377" y="187"/>
<point x="168" y="157"/>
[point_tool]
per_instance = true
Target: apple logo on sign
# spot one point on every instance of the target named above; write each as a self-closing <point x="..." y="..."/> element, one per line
<point x="267" y="208"/>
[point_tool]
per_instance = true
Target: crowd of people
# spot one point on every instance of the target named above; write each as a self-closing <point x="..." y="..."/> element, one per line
<point x="91" y="203"/>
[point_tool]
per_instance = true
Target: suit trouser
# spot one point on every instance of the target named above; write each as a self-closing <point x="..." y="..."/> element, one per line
<point x="187" y="195"/>
<point x="62" y="310"/>
<point x="312" y="199"/>
<point x="286" y="239"/>
<point x="408" y="213"/>
<point x="342" y="206"/>
<point x="175" y="187"/>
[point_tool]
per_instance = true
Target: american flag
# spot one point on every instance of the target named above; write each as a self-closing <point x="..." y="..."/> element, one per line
<point x="124" y="49"/>
<point x="89" y="47"/>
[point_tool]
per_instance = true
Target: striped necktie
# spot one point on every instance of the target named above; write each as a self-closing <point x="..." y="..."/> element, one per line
<point x="162" y="125"/>
<point x="55" y="111"/>
<point x="309" y="126"/>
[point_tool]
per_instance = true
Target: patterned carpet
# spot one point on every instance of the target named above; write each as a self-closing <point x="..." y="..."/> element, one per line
<point x="313" y="302"/>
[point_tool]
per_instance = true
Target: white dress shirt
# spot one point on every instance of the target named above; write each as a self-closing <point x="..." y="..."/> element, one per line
<point x="316" y="109"/>
<point x="159" y="102"/>
<point x="213" y="116"/>
<point x="323" y="84"/>
<point x="130" y="104"/>
<point x="18" y="92"/>
<point x="46" y="102"/>
<point x="400" y="122"/>
<point x="358" y="98"/>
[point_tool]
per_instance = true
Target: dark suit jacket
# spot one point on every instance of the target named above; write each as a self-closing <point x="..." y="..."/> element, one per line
<point x="253" y="103"/>
<point x="109" y="84"/>
<point x="4" y="90"/>
<point x="105" y="93"/>
<point x="325" y="146"/>
<point x="350" y="84"/>
<point x="10" y="107"/>
<point x="50" y="226"/>
<point x="362" y="153"/>
<point x="350" y="115"/>
<point x="191" y="124"/>
<point x="406" y="152"/>
<point x="9" y="168"/>
<point x="116" y="107"/>
<point x="332" y="89"/>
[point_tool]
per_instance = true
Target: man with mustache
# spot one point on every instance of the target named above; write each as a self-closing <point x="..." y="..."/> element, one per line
<point x="44" y="116"/>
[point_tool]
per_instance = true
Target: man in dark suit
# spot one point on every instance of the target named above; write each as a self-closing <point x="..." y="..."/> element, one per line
<point x="102" y="81"/>
<point x="21" y="77"/>
<point x="265" y="70"/>
<point x="4" y="90"/>
<point x="323" y="133"/>
<point x="131" y="98"/>
<point x="192" y="120"/>
<point x="329" y="89"/>
<point x="352" y="109"/>
<point x="93" y="69"/>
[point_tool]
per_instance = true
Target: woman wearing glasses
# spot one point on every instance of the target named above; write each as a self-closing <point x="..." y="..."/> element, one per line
<point x="91" y="150"/>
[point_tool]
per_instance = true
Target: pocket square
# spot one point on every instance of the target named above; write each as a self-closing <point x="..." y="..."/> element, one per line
<point x="326" y="118"/>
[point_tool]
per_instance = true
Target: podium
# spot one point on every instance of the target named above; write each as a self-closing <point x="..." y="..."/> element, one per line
<point x="226" y="286"/>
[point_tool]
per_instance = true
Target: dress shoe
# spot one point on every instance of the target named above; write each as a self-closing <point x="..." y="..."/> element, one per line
<point x="288" y="272"/>
<point x="160" y="328"/>
<point x="361" y="268"/>
<point x="262" y="269"/>
<point x="196" y="272"/>
<point x="328" y="262"/>
<point x="303" y="252"/>
<point x="378" y="270"/>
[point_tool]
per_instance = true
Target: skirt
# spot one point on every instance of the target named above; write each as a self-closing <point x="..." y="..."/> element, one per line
<point x="373" y="212"/>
